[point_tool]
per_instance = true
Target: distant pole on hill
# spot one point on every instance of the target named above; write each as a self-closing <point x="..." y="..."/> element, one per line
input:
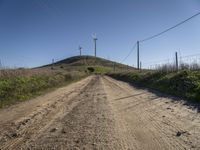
<point x="52" y="67"/>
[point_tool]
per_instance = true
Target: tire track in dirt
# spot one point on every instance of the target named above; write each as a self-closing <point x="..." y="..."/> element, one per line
<point x="152" y="119"/>
<point x="14" y="134"/>
<point x="89" y="125"/>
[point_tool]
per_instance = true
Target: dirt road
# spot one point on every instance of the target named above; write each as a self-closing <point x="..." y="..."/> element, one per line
<point x="100" y="113"/>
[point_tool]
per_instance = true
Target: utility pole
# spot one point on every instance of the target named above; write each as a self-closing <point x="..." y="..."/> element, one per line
<point x="95" y="45"/>
<point x="140" y="65"/>
<point x="138" y="55"/>
<point x="80" y="48"/>
<point x="176" y="57"/>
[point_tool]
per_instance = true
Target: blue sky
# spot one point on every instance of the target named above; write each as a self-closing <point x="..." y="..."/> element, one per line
<point x="32" y="32"/>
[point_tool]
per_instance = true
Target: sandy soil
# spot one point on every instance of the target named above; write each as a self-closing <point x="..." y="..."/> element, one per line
<point x="100" y="113"/>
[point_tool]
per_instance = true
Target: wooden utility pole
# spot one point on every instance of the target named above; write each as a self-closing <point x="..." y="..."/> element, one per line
<point x="138" y="55"/>
<point x="176" y="57"/>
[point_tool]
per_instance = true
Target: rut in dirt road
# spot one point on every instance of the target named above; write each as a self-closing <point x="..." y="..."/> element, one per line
<point x="152" y="121"/>
<point x="100" y="113"/>
<point x="79" y="118"/>
<point x="89" y="125"/>
<point x="25" y="121"/>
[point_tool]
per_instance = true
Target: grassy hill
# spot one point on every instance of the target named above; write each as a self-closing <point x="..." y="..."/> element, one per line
<point x="82" y="63"/>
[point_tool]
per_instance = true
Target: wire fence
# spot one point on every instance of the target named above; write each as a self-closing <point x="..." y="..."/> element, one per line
<point x="190" y="62"/>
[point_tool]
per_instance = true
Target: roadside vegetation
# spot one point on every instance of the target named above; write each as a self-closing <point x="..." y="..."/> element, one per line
<point x="22" y="84"/>
<point x="184" y="83"/>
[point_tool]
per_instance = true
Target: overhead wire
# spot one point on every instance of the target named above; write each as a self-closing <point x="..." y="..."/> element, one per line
<point x="158" y="34"/>
<point x="166" y="30"/>
<point x="130" y="52"/>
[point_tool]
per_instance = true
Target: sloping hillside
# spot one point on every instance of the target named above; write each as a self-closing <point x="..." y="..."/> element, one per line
<point x="83" y="62"/>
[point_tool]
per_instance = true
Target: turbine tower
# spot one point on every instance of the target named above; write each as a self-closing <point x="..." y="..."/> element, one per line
<point x="95" y="44"/>
<point x="80" y="48"/>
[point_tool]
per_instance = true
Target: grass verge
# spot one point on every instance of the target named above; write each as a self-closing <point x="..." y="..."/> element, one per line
<point x="15" y="89"/>
<point x="184" y="84"/>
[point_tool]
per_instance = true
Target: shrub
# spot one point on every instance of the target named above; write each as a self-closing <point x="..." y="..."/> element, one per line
<point x="90" y="69"/>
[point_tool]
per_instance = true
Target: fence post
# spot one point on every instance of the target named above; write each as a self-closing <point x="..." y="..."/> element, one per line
<point x="138" y="55"/>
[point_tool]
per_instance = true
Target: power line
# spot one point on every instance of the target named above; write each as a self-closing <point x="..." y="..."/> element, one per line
<point x="158" y="34"/>
<point x="130" y="52"/>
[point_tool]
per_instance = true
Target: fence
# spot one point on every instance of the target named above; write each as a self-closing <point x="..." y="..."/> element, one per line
<point x="190" y="62"/>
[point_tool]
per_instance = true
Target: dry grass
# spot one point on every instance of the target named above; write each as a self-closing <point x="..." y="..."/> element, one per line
<point x="7" y="73"/>
<point x="22" y="84"/>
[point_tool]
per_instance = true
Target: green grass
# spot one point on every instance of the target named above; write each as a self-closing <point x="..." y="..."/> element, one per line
<point x="184" y="84"/>
<point x="82" y="62"/>
<point x="99" y="69"/>
<point x="20" y="88"/>
<point x="102" y="70"/>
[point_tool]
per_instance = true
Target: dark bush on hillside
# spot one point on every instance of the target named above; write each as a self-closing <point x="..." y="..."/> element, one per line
<point x="90" y="69"/>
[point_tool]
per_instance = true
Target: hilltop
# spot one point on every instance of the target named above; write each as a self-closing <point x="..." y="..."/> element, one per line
<point x="82" y="63"/>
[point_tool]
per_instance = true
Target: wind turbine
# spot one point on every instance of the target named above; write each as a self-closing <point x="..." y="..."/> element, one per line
<point x="80" y="48"/>
<point x="95" y="43"/>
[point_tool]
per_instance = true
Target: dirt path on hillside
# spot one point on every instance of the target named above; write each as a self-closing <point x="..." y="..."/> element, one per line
<point x="100" y="113"/>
